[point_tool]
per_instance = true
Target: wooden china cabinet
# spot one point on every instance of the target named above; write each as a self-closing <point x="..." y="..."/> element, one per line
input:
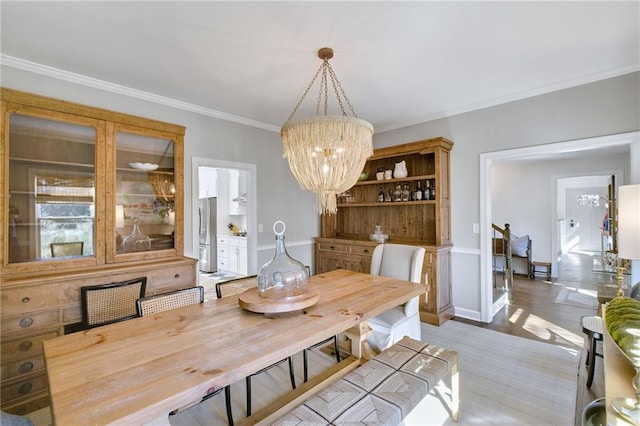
<point x="112" y="184"/>
<point x="345" y="237"/>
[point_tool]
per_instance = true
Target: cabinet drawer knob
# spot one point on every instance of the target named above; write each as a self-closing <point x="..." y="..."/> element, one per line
<point x="25" y="388"/>
<point x="332" y="247"/>
<point x="26" y="367"/>
<point x="25" y="346"/>
<point x="26" y="299"/>
<point x="176" y="276"/>
<point x="26" y="322"/>
<point x="366" y="250"/>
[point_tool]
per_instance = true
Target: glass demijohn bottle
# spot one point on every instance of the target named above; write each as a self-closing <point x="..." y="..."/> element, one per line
<point x="282" y="277"/>
<point x="137" y="240"/>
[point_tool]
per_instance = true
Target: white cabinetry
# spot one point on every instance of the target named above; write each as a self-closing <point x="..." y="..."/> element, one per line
<point x="207" y="182"/>
<point x="237" y="192"/>
<point x="232" y="254"/>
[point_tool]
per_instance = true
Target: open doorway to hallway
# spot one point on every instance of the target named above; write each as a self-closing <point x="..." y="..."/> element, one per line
<point x="532" y="203"/>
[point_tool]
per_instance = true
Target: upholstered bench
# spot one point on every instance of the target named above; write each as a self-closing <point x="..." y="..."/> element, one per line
<point x="383" y="390"/>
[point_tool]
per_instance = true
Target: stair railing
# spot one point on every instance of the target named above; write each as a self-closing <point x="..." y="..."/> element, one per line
<point x="501" y="248"/>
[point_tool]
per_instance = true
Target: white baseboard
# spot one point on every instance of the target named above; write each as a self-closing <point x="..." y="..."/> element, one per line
<point x="468" y="314"/>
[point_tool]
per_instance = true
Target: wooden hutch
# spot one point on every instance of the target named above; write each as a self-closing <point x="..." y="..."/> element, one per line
<point x="345" y="237"/>
<point x="72" y="173"/>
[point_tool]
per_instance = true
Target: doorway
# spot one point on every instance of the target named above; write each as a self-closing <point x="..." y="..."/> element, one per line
<point x="584" y="146"/>
<point x="239" y="208"/>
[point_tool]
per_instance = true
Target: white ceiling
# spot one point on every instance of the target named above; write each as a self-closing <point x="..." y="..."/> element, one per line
<point x="400" y="63"/>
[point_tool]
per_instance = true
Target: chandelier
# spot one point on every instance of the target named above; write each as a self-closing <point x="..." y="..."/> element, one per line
<point x="326" y="153"/>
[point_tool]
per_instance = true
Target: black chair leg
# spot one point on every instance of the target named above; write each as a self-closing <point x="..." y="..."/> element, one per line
<point x="591" y="362"/>
<point x="248" y="382"/>
<point x="337" y="345"/>
<point x="304" y="364"/>
<point x="227" y="399"/>
<point x="291" y="375"/>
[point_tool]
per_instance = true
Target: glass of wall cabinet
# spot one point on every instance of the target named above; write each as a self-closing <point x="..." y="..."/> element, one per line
<point x="51" y="189"/>
<point x="145" y="190"/>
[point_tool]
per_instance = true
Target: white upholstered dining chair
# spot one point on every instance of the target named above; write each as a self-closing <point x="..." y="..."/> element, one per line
<point x="403" y="262"/>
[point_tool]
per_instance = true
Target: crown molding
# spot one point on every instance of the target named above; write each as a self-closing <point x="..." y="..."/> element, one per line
<point x="567" y="84"/>
<point x="71" y="77"/>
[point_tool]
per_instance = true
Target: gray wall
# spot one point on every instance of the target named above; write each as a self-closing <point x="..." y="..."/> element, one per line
<point x="606" y="107"/>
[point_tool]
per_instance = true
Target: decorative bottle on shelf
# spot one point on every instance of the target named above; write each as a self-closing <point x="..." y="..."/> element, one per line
<point x="433" y="190"/>
<point x="282" y="277"/>
<point x="397" y="194"/>
<point x="426" y="195"/>
<point x="137" y="240"/>
<point x="417" y="195"/>
<point x="405" y="192"/>
<point x="381" y="195"/>
<point x="388" y="197"/>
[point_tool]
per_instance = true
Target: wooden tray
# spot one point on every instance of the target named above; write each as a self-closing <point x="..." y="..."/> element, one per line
<point x="252" y="301"/>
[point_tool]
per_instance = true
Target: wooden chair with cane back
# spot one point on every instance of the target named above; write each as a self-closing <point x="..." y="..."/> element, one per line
<point x="107" y="303"/>
<point x="173" y="300"/>
<point x="237" y="286"/>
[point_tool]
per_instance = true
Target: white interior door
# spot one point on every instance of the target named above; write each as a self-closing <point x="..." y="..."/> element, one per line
<point x="586" y="209"/>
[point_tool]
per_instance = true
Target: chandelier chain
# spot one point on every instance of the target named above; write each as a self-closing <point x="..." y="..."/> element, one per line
<point x="336" y="85"/>
<point x="295" y="109"/>
<point x="323" y="94"/>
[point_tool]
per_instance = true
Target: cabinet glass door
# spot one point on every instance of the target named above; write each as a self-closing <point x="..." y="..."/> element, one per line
<point x="145" y="189"/>
<point x="51" y="189"/>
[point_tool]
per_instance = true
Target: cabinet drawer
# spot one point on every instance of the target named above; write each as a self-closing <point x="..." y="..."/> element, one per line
<point x="16" y="301"/>
<point x="176" y="277"/>
<point x="223" y="251"/>
<point x="24" y="388"/>
<point x="31" y="345"/>
<point x="341" y="248"/>
<point x="361" y="250"/>
<point x="30" y="321"/>
<point x="72" y="314"/>
<point x="21" y="367"/>
<point x="222" y="240"/>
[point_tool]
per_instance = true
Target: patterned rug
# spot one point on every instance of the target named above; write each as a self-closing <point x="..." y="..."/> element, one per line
<point x="578" y="297"/>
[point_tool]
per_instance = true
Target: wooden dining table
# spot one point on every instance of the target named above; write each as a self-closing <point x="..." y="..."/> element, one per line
<point x="137" y="371"/>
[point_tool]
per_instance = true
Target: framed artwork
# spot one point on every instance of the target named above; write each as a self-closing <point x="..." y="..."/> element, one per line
<point x="139" y="200"/>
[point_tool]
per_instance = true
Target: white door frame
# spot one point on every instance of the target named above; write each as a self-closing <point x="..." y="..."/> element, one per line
<point x="252" y="209"/>
<point x="486" y="162"/>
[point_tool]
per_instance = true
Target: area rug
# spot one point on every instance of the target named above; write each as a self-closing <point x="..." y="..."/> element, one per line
<point x="578" y="297"/>
<point x="504" y="379"/>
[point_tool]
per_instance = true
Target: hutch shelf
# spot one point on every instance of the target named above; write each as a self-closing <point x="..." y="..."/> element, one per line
<point x="344" y="240"/>
<point x="67" y="176"/>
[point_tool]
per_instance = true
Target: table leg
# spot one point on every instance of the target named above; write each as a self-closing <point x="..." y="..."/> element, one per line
<point x="358" y="336"/>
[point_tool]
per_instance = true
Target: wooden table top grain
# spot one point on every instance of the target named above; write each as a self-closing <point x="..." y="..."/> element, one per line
<point x="139" y="370"/>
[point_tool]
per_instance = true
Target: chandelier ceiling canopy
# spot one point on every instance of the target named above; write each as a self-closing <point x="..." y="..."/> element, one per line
<point x="326" y="153"/>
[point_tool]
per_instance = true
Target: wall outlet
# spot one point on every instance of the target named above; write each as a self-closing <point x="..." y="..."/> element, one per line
<point x="476" y="228"/>
<point x="260" y="227"/>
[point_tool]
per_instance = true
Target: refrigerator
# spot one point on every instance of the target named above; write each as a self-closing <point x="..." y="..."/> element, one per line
<point x="207" y="212"/>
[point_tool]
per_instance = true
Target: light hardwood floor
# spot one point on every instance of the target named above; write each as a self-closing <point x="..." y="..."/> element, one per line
<point x="534" y="315"/>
